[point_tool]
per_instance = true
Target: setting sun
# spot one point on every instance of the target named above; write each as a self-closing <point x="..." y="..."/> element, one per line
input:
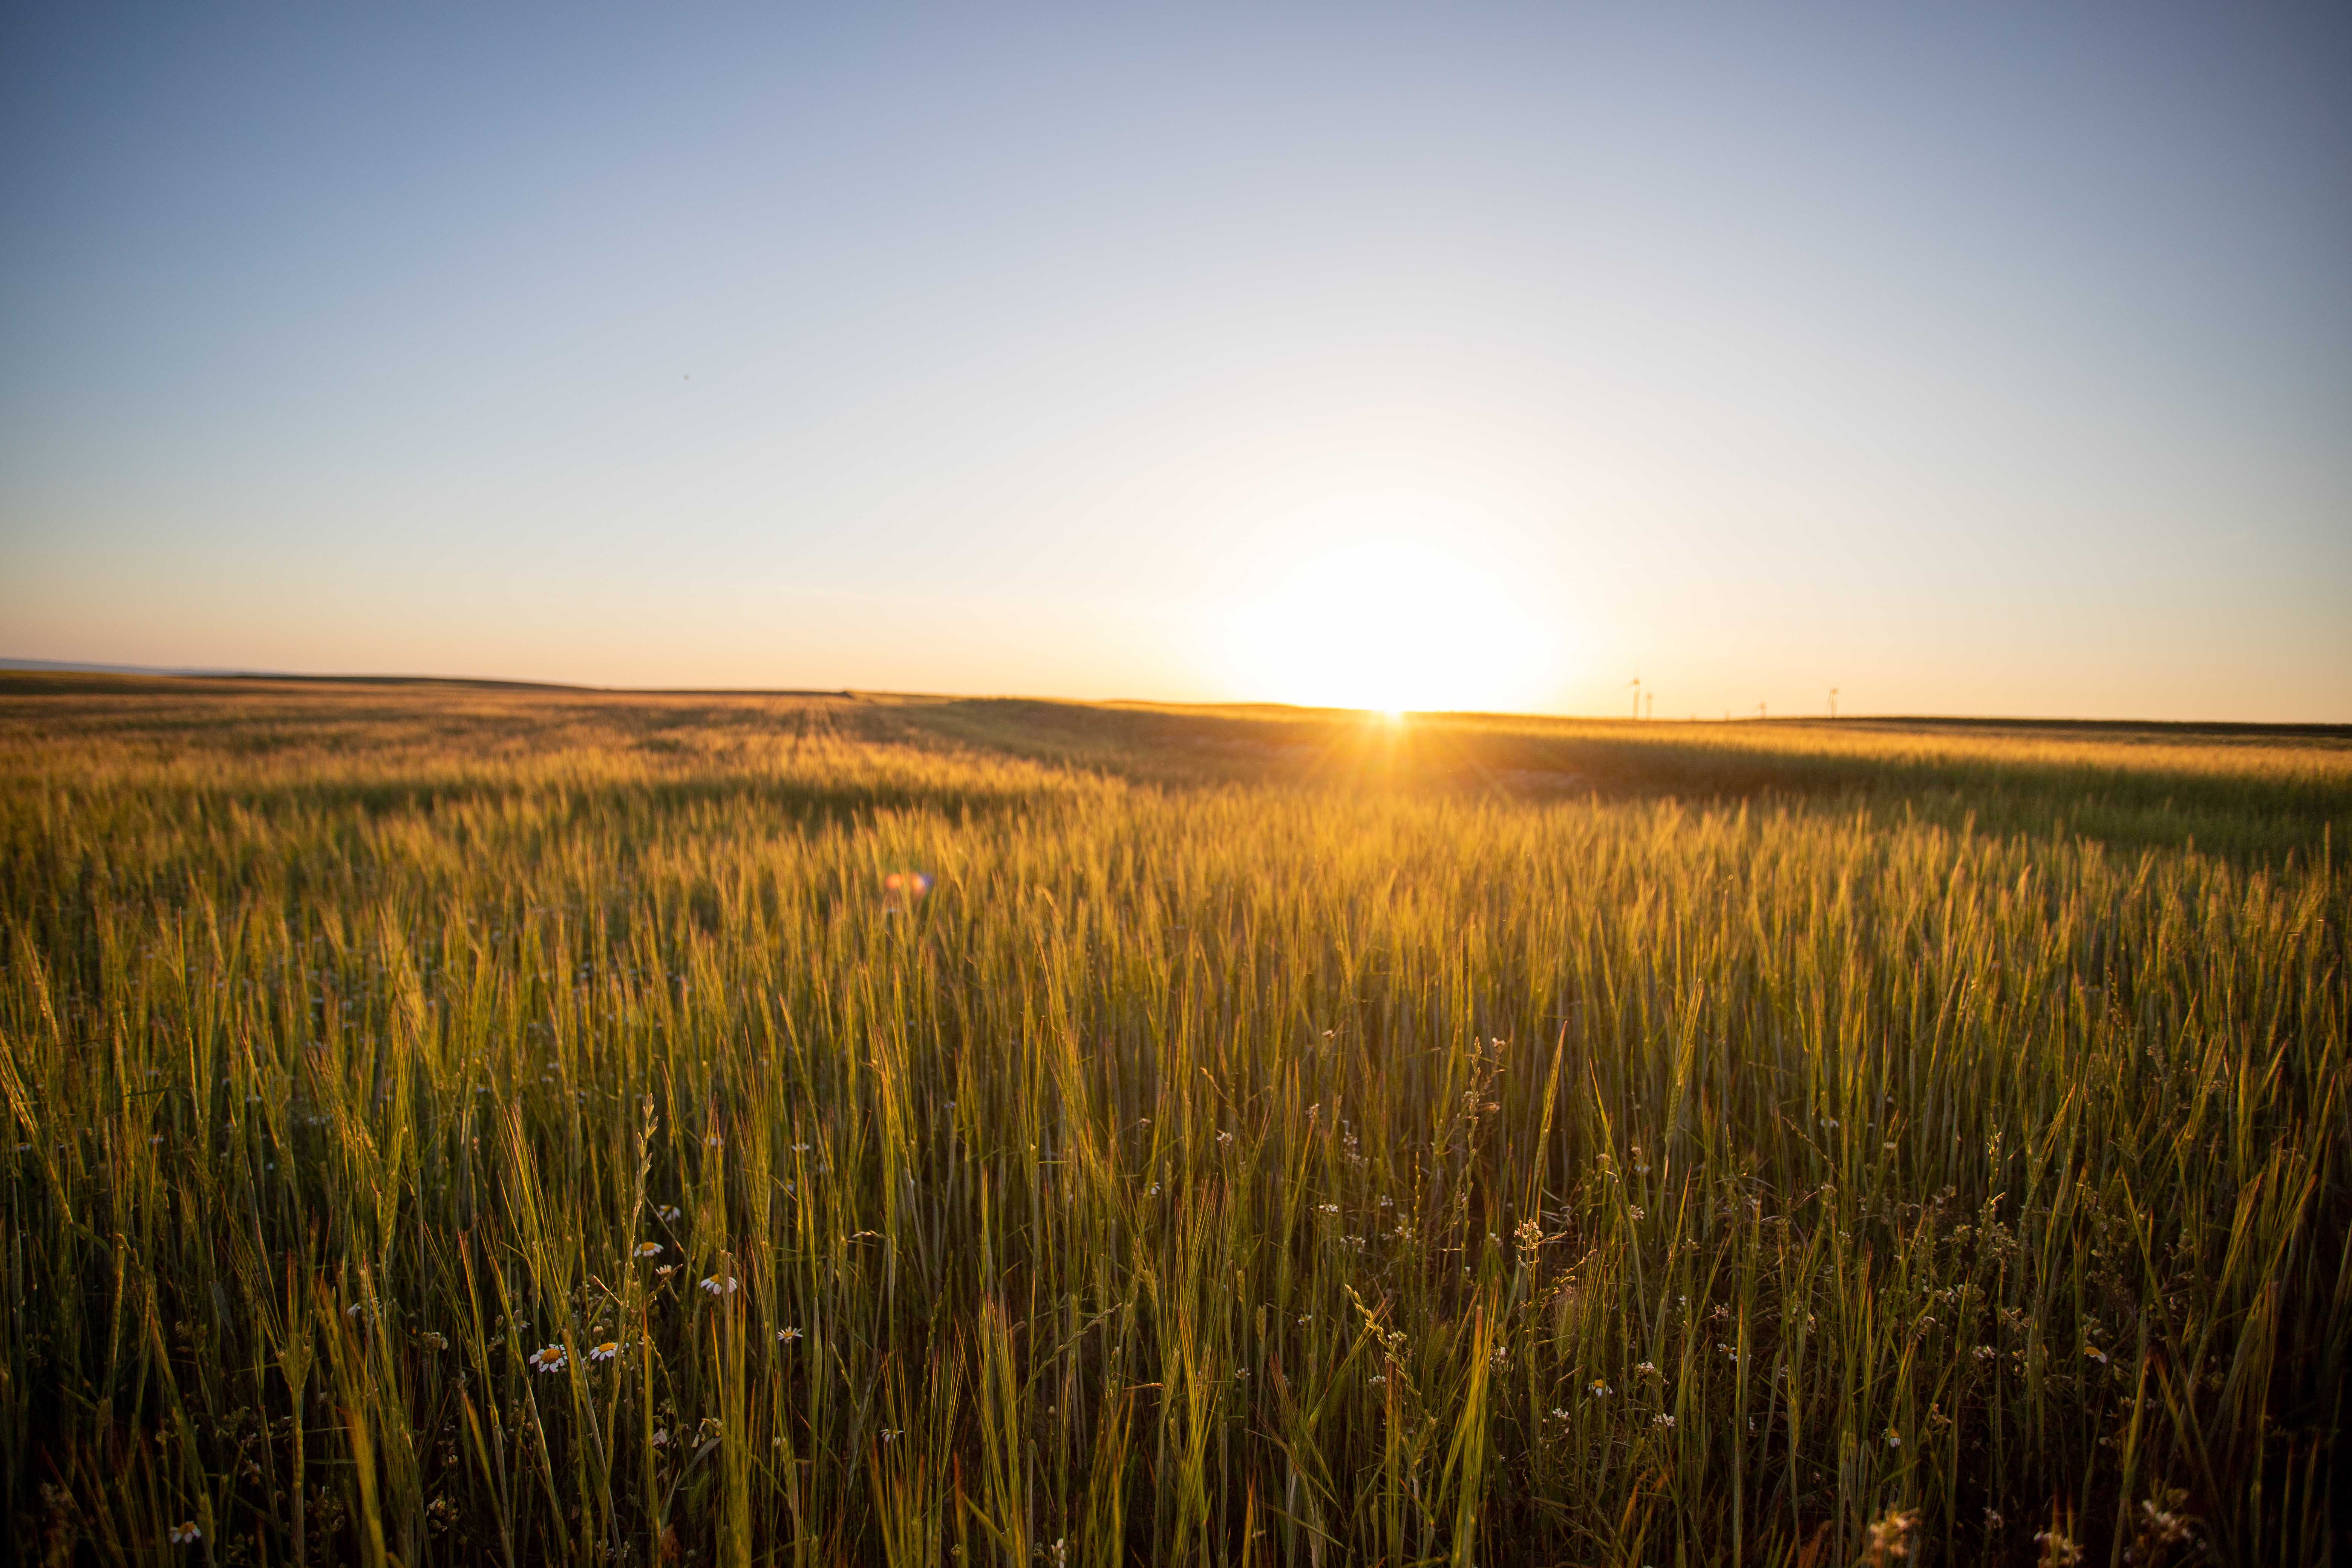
<point x="1391" y="627"/>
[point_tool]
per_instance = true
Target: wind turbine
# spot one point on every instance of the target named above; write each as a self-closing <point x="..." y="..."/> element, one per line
<point x="1833" y="704"/>
<point x="1636" y="684"/>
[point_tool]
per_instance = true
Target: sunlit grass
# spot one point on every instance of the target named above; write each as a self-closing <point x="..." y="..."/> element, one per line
<point x="533" y="1128"/>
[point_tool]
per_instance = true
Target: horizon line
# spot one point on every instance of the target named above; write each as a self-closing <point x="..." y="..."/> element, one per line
<point x="157" y="672"/>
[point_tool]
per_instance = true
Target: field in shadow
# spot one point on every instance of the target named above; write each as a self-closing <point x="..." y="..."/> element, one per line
<point x="2258" y="796"/>
<point x="2248" y="793"/>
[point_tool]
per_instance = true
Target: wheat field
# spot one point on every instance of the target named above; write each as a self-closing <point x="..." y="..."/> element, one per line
<point x="464" y="1125"/>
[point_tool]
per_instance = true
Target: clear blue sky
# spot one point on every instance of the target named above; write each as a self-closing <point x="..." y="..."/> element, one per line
<point x="1969" y="358"/>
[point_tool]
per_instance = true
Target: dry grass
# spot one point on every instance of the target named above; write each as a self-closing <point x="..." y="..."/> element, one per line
<point x="1271" y="1140"/>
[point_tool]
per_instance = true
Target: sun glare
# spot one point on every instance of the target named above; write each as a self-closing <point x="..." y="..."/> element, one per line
<point x="1391" y="628"/>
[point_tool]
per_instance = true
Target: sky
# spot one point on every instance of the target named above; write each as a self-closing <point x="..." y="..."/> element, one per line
<point x="1977" y="359"/>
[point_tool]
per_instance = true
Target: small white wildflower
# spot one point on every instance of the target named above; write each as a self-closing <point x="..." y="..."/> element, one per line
<point x="549" y="1358"/>
<point x="661" y="1437"/>
<point x="892" y="1434"/>
<point x="185" y="1534"/>
<point x="606" y="1351"/>
<point x="1894" y="1438"/>
<point x="786" y="1336"/>
<point x="714" y="1285"/>
<point x="1600" y="1390"/>
<point x="649" y="1250"/>
<point x="668" y="1213"/>
<point x="2058" y="1548"/>
<point x="1327" y="1208"/>
<point x="1666" y="1421"/>
<point x="1647" y="1369"/>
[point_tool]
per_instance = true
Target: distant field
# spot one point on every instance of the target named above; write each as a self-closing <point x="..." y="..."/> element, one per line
<point x="460" y="1124"/>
